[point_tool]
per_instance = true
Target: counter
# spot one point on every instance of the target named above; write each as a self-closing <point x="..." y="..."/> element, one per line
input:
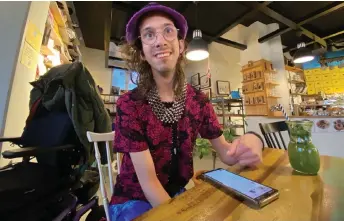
<point x="329" y="139"/>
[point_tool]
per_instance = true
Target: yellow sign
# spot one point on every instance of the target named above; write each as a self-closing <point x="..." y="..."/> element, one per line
<point x="33" y="36"/>
<point x="29" y="56"/>
<point x="329" y="81"/>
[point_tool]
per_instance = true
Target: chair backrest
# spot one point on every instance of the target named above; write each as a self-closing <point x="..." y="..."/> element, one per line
<point x="107" y="138"/>
<point x="269" y="131"/>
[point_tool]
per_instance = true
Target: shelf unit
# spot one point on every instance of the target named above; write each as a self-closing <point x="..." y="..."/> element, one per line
<point x="58" y="39"/>
<point x="295" y="83"/>
<point x="110" y="103"/>
<point x="258" y="88"/>
<point x="227" y="105"/>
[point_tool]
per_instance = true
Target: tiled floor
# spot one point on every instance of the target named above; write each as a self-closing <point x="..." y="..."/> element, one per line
<point x="199" y="164"/>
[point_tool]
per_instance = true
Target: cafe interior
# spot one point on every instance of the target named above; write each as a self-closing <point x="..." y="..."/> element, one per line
<point x="272" y="67"/>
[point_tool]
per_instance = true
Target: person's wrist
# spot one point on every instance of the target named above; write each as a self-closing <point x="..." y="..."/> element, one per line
<point x="258" y="136"/>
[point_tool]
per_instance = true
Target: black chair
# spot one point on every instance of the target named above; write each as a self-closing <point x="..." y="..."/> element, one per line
<point x="269" y="131"/>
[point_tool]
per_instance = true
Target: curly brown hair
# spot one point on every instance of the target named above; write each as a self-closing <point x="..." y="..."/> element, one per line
<point x="131" y="54"/>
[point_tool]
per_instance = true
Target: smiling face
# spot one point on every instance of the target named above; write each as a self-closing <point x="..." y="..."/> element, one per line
<point x="161" y="52"/>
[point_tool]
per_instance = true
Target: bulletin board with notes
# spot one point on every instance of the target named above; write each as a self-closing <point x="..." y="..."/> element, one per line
<point x="329" y="80"/>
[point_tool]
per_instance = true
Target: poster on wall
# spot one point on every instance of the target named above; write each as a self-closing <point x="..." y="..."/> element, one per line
<point x="195" y="80"/>
<point x="322" y="126"/>
<point x="205" y="81"/>
<point x="33" y="36"/>
<point x="338" y="125"/>
<point x="207" y="92"/>
<point x="29" y="56"/>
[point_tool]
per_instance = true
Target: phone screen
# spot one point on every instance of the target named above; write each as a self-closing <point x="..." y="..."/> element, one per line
<point x="238" y="183"/>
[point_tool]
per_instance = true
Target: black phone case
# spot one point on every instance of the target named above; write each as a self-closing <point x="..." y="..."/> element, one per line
<point x="253" y="203"/>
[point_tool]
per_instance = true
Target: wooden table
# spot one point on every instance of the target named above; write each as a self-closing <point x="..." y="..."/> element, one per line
<point x="302" y="198"/>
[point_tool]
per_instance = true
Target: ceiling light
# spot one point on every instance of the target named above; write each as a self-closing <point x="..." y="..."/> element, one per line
<point x="197" y="49"/>
<point x="302" y="54"/>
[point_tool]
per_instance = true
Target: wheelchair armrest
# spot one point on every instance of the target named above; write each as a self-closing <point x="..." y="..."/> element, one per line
<point x="32" y="151"/>
<point x="10" y="139"/>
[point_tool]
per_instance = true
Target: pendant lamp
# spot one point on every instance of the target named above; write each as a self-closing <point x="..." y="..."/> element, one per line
<point x="302" y="54"/>
<point x="197" y="49"/>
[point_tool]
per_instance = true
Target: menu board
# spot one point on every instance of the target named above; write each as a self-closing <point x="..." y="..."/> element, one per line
<point x="330" y="80"/>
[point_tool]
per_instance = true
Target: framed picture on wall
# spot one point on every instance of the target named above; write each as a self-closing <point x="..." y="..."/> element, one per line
<point x="195" y="80"/>
<point x="207" y="91"/>
<point x="205" y="81"/>
<point x="223" y="87"/>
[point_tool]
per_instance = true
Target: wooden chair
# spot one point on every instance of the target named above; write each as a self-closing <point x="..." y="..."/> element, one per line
<point x="107" y="138"/>
<point x="269" y="131"/>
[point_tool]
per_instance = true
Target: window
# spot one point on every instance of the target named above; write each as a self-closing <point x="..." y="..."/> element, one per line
<point x="121" y="78"/>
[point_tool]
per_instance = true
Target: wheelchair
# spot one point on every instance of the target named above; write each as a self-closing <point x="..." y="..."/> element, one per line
<point x="52" y="176"/>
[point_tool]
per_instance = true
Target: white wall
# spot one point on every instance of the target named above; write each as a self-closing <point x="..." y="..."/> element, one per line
<point x="12" y="21"/>
<point x="223" y="63"/>
<point x="94" y="60"/>
<point x="18" y="106"/>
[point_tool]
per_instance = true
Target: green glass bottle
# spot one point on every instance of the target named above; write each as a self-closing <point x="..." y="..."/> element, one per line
<point x="303" y="155"/>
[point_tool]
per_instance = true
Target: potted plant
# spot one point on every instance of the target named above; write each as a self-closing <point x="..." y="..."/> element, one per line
<point x="203" y="146"/>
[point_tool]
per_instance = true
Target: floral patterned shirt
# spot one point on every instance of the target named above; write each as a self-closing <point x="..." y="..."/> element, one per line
<point x="137" y="129"/>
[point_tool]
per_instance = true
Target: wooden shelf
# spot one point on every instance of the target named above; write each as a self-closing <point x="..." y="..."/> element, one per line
<point x="248" y="81"/>
<point x="64" y="58"/>
<point x="293" y="69"/>
<point x="219" y="100"/>
<point x="272" y="83"/>
<point x="297" y="82"/>
<point x="58" y="17"/>
<point x="57" y="39"/>
<point x="315" y="105"/>
<point x="64" y="35"/>
<point x="46" y="51"/>
<point x="230" y="115"/>
<point x="252" y="92"/>
<point x="109" y="102"/>
<point x="254" y="104"/>
<point x="274" y="97"/>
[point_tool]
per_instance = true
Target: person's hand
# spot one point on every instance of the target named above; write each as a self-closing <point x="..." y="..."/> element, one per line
<point x="246" y="150"/>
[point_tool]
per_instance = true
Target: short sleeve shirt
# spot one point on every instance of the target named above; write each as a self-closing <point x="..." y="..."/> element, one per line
<point x="137" y="128"/>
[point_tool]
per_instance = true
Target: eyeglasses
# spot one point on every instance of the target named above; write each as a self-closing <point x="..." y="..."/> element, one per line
<point x="149" y="37"/>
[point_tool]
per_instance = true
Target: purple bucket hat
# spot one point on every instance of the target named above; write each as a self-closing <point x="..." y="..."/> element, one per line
<point x="179" y="20"/>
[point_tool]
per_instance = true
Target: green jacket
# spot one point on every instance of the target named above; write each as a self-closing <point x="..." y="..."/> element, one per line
<point x="71" y="86"/>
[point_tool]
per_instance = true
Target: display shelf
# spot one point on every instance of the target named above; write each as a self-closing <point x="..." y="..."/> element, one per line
<point x="229" y="115"/>
<point x="109" y="102"/>
<point x="64" y="58"/>
<point x="58" y="27"/>
<point x="252" y="92"/>
<point x="315" y="105"/>
<point x="46" y="51"/>
<point x="226" y="105"/>
<point x="255" y="104"/>
<point x="293" y="69"/>
<point x="258" y="81"/>
<point x="272" y="83"/>
<point x="296" y="82"/>
<point x="58" y="16"/>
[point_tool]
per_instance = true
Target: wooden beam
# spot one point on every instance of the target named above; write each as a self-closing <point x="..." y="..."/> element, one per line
<point x="291" y="24"/>
<point x="239" y="20"/>
<point x="314" y="16"/>
<point x="288" y="49"/>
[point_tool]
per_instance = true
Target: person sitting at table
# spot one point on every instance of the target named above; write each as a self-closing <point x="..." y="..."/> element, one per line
<point x="158" y="122"/>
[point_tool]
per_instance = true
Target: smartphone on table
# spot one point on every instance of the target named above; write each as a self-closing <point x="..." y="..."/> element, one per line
<point x="257" y="194"/>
